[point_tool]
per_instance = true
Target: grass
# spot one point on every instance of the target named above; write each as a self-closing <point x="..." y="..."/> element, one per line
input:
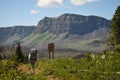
<point x="40" y="39"/>
<point x="86" y="68"/>
<point x="85" y="45"/>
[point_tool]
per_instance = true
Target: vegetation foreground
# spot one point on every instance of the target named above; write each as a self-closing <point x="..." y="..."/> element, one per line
<point x="104" y="66"/>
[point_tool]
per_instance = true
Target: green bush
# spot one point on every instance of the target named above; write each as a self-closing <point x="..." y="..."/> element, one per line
<point x="117" y="49"/>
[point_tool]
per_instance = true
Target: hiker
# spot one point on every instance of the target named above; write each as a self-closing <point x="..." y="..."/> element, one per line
<point x="32" y="58"/>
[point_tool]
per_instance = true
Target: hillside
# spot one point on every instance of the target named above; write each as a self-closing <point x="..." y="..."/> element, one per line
<point x="12" y="35"/>
<point x="90" y="67"/>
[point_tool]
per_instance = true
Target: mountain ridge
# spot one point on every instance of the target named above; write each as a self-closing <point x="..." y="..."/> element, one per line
<point x="68" y="31"/>
<point x="19" y="31"/>
<point x="72" y="24"/>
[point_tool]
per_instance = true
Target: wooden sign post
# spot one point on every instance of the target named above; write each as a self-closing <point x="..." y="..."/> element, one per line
<point x="51" y="50"/>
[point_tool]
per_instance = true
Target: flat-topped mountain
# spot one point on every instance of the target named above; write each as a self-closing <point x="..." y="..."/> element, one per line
<point x="72" y="24"/>
<point x="68" y="32"/>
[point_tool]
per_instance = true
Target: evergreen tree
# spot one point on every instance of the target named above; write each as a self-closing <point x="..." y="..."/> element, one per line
<point x="114" y="37"/>
<point x="0" y="57"/>
<point x="18" y="54"/>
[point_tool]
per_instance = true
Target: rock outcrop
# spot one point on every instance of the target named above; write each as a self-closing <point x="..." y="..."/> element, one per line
<point x="72" y="24"/>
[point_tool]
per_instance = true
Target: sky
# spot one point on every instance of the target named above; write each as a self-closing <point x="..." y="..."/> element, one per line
<point x="30" y="12"/>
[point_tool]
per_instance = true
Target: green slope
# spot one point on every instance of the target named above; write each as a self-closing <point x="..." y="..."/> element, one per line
<point x="40" y="41"/>
<point x="86" y="68"/>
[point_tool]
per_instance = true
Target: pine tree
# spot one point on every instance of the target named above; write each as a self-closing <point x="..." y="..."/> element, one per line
<point x="114" y="37"/>
<point x="18" y="54"/>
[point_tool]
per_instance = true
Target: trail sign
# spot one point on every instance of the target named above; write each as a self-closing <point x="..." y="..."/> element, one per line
<point x="51" y="50"/>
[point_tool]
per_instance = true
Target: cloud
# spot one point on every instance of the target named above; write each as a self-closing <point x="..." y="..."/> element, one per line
<point x="81" y="2"/>
<point x="49" y="3"/>
<point x="34" y="11"/>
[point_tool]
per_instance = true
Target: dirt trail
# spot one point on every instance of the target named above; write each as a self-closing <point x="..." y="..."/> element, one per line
<point x="26" y="69"/>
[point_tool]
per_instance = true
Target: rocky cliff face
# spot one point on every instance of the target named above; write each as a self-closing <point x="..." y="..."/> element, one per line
<point x="72" y="24"/>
